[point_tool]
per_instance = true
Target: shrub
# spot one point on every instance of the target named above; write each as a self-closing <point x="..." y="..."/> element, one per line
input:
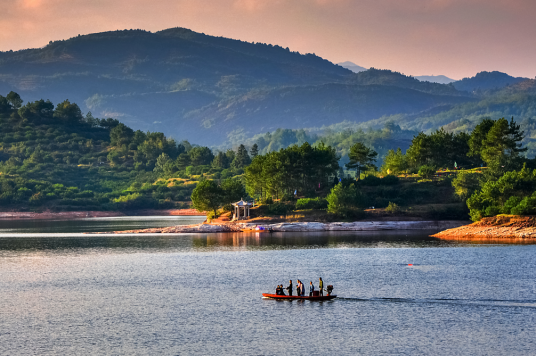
<point x="211" y="215"/>
<point x="287" y="197"/>
<point x="465" y="184"/>
<point x="390" y="180"/>
<point x="278" y="209"/>
<point x="312" y="203"/>
<point x="427" y="172"/>
<point x="392" y="208"/>
<point x="342" y="200"/>
<point x="371" y="180"/>
<point x="513" y="193"/>
<point x="269" y="201"/>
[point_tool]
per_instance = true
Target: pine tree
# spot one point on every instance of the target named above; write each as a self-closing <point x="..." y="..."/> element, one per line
<point x="254" y="150"/>
<point x="361" y="157"/>
<point x="242" y="158"/>
<point x="221" y="160"/>
<point x="502" y="146"/>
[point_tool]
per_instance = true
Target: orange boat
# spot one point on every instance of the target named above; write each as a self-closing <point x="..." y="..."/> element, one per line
<point x="292" y="297"/>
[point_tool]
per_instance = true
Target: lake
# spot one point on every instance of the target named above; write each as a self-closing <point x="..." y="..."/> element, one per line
<point x="63" y="292"/>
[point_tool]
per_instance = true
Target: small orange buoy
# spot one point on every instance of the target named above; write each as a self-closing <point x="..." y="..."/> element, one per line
<point x="410" y="264"/>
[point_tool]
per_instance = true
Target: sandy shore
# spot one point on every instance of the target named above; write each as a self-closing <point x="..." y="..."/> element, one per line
<point x="502" y="228"/>
<point x="302" y="226"/>
<point x="66" y="215"/>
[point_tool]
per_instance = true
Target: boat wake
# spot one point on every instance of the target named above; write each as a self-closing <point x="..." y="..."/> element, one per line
<point x="458" y="302"/>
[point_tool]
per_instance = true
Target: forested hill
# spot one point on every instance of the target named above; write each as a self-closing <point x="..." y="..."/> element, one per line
<point x="212" y="90"/>
<point x="486" y="81"/>
<point x="188" y="84"/>
<point x="53" y="157"/>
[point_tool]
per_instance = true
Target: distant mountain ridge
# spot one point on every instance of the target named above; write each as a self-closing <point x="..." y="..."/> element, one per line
<point x="352" y="66"/>
<point x="441" y="79"/>
<point x="212" y="89"/>
<point x="487" y="81"/>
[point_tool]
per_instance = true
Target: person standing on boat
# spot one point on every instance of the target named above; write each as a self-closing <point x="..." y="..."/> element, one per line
<point x="289" y="288"/>
<point x="302" y="289"/>
<point x="311" y="289"/>
<point x="298" y="287"/>
<point x="321" y="286"/>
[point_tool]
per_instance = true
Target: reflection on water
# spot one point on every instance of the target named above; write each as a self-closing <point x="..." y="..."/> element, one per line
<point x="327" y="239"/>
<point x="215" y="242"/>
<point x="400" y="293"/>
<point x="104" y="224"/>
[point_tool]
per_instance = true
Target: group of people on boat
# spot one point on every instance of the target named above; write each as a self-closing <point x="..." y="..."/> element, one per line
<point x="300" y="288"/>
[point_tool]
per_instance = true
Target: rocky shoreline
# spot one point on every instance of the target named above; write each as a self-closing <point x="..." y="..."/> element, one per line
<point x="501" y="228"/>
<point x="301" y="226"/>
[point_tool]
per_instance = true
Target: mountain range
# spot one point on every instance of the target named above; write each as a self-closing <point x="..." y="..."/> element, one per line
<point x="441" y="79"/>
<point x="211" y="90"/>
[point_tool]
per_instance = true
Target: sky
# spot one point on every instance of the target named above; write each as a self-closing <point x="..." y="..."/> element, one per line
<point x="456" y="38"/>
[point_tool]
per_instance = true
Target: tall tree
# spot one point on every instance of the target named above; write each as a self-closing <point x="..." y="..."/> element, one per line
<point x="68" y="113"/>
<point x="242" y="158"/>
<point x="183" y="161"/>
<point x="207" y="196"/>
<point x="14" y="99"/>
<point x="201" y="156"/>
<point x="439" y="149"/>
<point x="233" y="191"/>
<point x="502" y="146"/>
<point x="395" y="162"/>
<point x="361" y="157"/>
<point x="121" y="135"/>
<point x="254" y="150"/>
<point x="164" y="164"/>
<point x="221" y="160"/>
<point x="478" y="135"/>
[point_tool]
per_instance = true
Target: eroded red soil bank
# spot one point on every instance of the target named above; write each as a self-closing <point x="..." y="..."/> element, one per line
<point x="500" y="229"/>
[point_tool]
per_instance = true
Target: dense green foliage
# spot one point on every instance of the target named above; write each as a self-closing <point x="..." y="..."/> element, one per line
<point x="513" y="193"/>
<point x="311" y="203"/>
<point x="54" y="157"/>
<point x="301" y="169"/>
<point x="361" y="158"/>
<point x="213" y="89"/>
<point x="209" y="196"/>
<point x="343" y="200"/>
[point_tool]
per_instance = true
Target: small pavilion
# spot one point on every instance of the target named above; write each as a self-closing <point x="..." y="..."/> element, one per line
<point x="241" y="210"/>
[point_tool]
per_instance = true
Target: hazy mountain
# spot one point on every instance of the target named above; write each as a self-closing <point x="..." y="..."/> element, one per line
<point x="140" y="76"/>
<point x="352" y="66"/>
<point x="387" y="77"/>
<point x="309" y="106"/>
<point x="486" y="81"/>
<point x="212" y="89"/>
<point x="441" y="79"/>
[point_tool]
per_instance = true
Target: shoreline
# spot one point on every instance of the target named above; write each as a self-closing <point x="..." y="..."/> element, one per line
<point x="501" y="228"/>
<point x="65" y="215"/>
<point x="301" y="227"/>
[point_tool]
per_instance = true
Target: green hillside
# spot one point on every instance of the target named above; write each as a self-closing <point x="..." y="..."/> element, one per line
<point x="215" y="90"/>
<point x="484" y="81"/>
<point x="208" y="89"/>
<point x="53" y="157"/>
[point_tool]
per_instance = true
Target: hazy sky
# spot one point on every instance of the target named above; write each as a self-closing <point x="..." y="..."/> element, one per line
<point x="457" y="38"/>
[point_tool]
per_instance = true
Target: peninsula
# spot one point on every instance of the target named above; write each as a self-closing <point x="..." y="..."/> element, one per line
<point x="501" y="229"/>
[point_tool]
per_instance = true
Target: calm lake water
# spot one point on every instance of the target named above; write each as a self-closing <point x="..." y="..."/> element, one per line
<point x="67" y="293"/>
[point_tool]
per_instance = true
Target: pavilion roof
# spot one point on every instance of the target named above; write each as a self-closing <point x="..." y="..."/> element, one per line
<point x="242" y="203"/>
